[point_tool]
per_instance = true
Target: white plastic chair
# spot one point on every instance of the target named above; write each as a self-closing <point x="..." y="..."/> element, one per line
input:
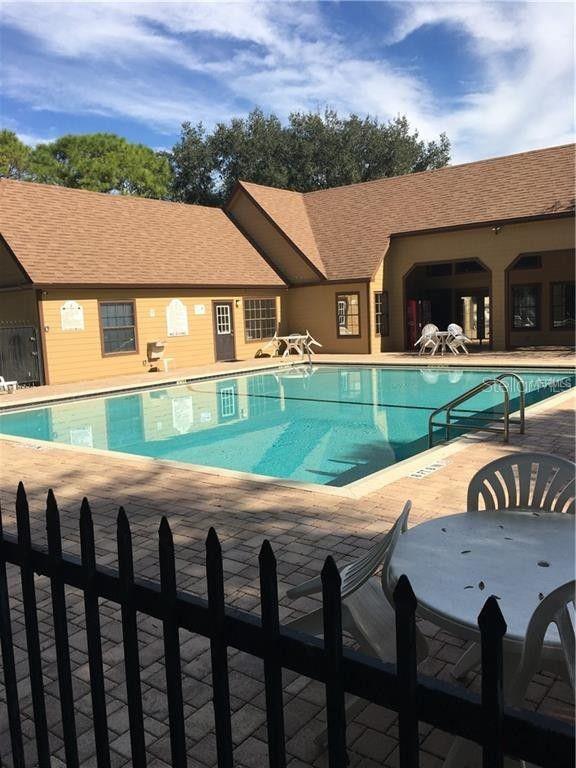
<point x="8" y="386"/>
<point x="428" y="339"/>
<point x="367" y="613"/>
<point x="310" y="342"/>
<point x="457" y="339"/>
<point x="525" y="481"/>
<point x="556" y="608"/>
<point x="537" y="481"/>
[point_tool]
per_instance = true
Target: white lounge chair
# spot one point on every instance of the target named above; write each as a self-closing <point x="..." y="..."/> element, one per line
<point x="428" y="340"/>
<point x="367" y="613"/>
<point x="545" y="483"/>
<point x="457" y="340"/>
<point x="7" y="386"/>
<point x="273" y="345"/>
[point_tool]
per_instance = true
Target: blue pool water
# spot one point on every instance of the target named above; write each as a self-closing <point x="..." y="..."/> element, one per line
<point x="325" y="424"/>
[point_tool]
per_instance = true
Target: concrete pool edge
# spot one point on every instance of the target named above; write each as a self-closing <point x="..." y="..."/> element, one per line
<point x="355" y="490"/>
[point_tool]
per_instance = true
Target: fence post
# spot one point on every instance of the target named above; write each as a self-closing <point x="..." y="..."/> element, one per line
<point x="130" y="636"/>
<point x="406" y="665"/>
<point x="61" y="632"/>
<point x="492" y="630"/>
<point x="272" y="663"/>
<point x="31" y="622"/>
<point x="172" y="645"/>
<point x="10" y="682"/>
<point x="218" y="649"/>
<point x="94" y="642"/>
<point x="335" y="696"/>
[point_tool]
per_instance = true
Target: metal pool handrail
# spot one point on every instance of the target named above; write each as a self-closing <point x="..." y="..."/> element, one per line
<point x="522" y="390"/>
<point x="448" y="407"/>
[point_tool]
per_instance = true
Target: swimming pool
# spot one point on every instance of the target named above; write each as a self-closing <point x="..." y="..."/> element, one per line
<point x="323" y="424"/>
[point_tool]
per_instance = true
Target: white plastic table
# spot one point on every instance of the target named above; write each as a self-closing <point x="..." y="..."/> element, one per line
<point x="443" y="336"/>
<point x="455" y="563"/>
<point x="295" y="341"/>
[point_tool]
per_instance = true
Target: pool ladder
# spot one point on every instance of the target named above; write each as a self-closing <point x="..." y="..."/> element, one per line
<point x="506" y="420"/>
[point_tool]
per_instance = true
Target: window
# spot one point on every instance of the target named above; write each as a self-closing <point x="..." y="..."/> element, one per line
<point x="348" y="314"/>
<point x="259" y="319"/>
<point x="526" y="307"/>
<point x="439" y="270"/>
<point x="118" y="325"/>
<point x="223" y="319"/>
<point x="562" y="303"/>
<point x="468" y="267"/>
<point x="529" y="261"/>
<point x="227" y="401"/>
<point x="381" y="313"/>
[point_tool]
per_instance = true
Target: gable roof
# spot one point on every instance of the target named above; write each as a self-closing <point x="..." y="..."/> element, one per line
<point x="347" y="229"/>
<point x="288" y="210"/>
<point x="70" y="236"/>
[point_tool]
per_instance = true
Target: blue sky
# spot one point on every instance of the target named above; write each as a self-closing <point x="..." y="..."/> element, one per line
<point x="497" y="77"/>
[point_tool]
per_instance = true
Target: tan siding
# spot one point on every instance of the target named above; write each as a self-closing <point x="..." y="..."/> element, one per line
<point x="18" y="307"/>
<point x="313" y="308"/>
<point x="77" y="355"/>
<point x="279" y="251"/>
<point x="496" y="251"/>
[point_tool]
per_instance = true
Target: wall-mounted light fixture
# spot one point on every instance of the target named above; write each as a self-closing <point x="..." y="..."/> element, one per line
<point x="237" y="302"/>
<point x="497" y="230"/>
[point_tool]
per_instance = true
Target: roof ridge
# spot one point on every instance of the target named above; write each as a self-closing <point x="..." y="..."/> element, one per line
<point x="440" y="170"/>
<point x="108" y="195"/>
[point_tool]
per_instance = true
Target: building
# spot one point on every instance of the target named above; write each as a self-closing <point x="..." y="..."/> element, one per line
<point x="96" y="278"/>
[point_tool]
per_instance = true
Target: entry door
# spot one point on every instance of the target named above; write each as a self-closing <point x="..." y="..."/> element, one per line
<point x="224" y="330"/>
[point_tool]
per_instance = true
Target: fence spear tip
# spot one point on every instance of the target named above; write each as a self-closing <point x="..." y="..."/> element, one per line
<point x="490" y="618"/>
<point x="266" y="552"/>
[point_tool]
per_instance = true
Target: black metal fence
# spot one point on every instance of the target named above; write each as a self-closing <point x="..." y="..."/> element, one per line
<point x="485" y="720"/>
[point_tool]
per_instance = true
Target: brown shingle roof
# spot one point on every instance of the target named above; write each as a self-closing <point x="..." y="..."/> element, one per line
<point x="62" y="235"/>
<point x="288" y="210"/>
<point x="351" y="226"/>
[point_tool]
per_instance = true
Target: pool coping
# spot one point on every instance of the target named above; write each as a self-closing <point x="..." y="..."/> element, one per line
<point x="425" y="461"/>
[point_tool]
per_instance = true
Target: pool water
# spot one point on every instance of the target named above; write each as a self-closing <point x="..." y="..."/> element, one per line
<point x="321" y="424"/>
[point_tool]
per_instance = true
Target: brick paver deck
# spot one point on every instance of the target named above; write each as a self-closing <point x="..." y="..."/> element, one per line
<point x="303" y="527"/>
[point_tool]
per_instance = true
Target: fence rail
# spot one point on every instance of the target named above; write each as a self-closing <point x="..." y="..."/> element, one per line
<point x="498" y="729"/>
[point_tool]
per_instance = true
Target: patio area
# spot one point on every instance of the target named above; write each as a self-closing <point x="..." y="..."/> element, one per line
<point x="303" y="527"/>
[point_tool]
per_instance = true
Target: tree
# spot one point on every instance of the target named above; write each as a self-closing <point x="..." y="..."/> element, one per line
<point x="313" y="151"/>
<point x="193" y="167"/>
<point x="14" y="156"/>
<point x="102" y="162"/>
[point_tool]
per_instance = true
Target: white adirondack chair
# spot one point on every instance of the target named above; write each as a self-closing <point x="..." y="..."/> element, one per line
<point x="7" y="386"/>
<point x="367" y="613"/>
<point x="545" y="483"/>
<point x="428" y="339"/>
<point x="457" y="339"/>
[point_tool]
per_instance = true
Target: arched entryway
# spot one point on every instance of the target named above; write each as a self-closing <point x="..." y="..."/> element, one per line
<point x="449" y="292"/>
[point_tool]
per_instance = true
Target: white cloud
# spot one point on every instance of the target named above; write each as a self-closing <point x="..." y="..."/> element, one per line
<point x="142" y="61"/>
